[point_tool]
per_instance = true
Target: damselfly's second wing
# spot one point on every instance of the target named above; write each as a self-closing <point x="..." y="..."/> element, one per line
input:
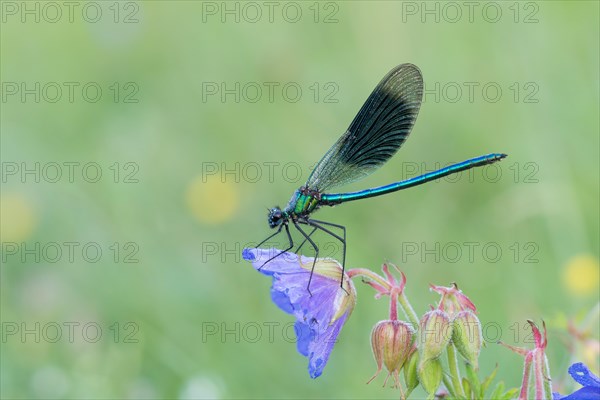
<point x="376" y="133"/>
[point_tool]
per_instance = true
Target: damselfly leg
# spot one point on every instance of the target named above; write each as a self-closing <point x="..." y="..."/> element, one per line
<point x="287" y="230"/>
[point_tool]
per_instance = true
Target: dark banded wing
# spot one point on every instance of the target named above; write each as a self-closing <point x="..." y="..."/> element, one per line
<point x="376" y="133"/>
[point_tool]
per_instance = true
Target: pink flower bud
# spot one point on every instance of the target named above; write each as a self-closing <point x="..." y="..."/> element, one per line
<point x="392" y="345"/>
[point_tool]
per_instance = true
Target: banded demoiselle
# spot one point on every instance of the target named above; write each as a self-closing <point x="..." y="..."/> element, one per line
<point x="374" y="136"/>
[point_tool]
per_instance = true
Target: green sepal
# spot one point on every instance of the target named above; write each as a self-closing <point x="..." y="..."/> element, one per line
<point x="411" y="377"/>
<point x="430" y="375"/>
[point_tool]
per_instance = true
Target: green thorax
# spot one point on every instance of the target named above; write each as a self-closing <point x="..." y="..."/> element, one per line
<point x="303" y="202"/>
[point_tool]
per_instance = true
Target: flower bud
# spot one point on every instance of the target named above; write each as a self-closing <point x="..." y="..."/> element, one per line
<point x="430" y="375"/>
<point x="392" y="344"/>
<point x="435" y="333"/>
<point x="410" y="372"/>
<point x="467" y="337"/>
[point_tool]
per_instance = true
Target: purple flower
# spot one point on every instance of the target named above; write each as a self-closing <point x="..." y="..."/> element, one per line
<point x="319" y="314"/>
<point x="590" y="382"/>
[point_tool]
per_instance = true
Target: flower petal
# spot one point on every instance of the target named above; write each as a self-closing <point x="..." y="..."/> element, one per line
<point x="585" y="393"/>
<point x="582" y="375"/>
<point x="321" y="346"/>
<point x="320" y="313"/>
<point x="282" y="301"/>
<point x="304" y="336"/>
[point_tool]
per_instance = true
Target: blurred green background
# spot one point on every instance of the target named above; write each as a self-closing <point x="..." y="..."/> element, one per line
<point x="189" y="162"/>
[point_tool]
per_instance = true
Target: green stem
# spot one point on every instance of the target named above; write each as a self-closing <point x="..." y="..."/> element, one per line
<point x="546" y="377"/>
<point x="394" y="305"/>
<point x="453" y="364"/>
<point x="408" y="310"/>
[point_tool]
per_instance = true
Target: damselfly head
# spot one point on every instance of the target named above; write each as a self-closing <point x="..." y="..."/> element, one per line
<point x="275" y="217"/>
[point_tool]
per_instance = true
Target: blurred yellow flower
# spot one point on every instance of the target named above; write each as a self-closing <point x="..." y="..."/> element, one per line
<point x="212" y="200"/>
<point x="17" y="218"/>
<point x="582" y="275"/>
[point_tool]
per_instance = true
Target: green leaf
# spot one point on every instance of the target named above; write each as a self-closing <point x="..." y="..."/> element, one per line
<point x="487" y="382"/>
<point x="498" y="390"/>
<point x="510" y="394"/>
<point x="467" y="387"/>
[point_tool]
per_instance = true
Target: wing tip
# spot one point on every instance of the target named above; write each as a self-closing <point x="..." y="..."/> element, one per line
<point x="406" y="67"/>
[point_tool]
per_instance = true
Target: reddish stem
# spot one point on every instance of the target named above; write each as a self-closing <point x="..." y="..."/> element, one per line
<point x="394" y="304"/>
<point x="525" y="384"/>
<point x="539" y="374"/>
